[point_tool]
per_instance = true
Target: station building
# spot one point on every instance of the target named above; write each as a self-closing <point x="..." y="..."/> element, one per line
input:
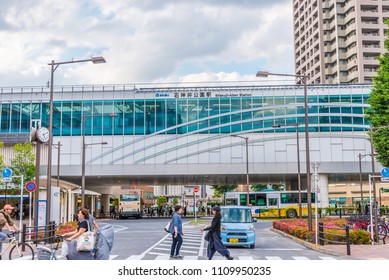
<point x="179" y="135"/>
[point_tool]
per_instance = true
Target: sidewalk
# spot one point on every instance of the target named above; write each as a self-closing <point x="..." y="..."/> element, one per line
<point x="359" y="252"/>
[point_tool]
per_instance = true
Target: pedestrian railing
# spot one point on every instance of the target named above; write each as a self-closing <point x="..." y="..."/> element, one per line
<point x="39" y="234"/>
<point x="331" y="235"/>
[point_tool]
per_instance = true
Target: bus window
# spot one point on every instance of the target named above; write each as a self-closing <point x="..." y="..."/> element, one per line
<point x="289" y="198"/>
<point x="260" y="200"/>
<point x="304" y="197"/>
<point x="243" y="199"/>
<point x="273" y="201"/>
<point x="252" y="199"/>
<point x="231" y="201"/>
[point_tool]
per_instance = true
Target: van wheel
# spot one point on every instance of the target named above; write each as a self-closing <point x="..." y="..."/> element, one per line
<point x="291" y="213"/>
<point x="252" y="246"/>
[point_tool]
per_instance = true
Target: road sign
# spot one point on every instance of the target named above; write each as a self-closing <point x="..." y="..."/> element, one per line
<point x="6" y="180"/>
<point x="385" y="172"/>
<point x="384" y="179"/>
<point x="6" y="172"/>
<point x="195" y="189"/>
<point x="30" y="186"/>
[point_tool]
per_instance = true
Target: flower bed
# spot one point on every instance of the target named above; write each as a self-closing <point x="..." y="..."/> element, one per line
<point x="65" y="228"/>
<point x="299" y="228"/>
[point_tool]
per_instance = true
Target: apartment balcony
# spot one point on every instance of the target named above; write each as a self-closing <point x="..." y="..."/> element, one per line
<point x="350" y="28"/>
<point x="353" y="75"/>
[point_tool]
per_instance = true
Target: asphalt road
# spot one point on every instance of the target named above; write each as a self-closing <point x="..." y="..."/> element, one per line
<point x="145" y="239"/>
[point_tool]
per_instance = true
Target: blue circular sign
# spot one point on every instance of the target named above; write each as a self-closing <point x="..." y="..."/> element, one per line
<point x="6" y="172"/>
<point x="30" y="186"/>
<point x="385" y="172"/>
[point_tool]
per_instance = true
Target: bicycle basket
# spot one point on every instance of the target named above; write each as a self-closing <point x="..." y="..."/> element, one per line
<point x="43" y="253"/>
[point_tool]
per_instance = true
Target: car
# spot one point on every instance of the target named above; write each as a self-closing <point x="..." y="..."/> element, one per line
<point x="237" y="226"/>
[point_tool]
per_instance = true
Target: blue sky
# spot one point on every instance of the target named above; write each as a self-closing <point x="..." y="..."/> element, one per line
<point x="144" y="40"/>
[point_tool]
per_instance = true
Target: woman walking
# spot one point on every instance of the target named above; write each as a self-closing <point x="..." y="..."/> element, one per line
<point x="215" y="244"/>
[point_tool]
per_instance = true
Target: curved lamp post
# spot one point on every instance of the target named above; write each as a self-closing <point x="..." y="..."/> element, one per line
<point x="303" y="79"/>
<point x="54" y="65"/>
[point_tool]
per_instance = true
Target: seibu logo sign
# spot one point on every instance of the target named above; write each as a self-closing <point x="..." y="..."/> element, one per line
<point x="195" y="189"/>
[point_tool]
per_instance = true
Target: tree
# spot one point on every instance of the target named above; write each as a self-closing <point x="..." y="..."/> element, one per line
<point x="161" y="201"/>
<point x="23" y="162"/>
<point x="378" y="113"/>
<point x="219" y="190"/>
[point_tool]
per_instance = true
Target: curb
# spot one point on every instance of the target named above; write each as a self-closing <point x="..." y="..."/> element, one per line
<point x="309" y="245"/>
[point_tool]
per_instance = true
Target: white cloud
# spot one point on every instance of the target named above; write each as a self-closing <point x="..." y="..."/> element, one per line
<point x="144" y="41"/>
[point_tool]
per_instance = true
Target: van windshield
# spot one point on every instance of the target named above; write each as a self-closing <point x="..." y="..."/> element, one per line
<point x="235" y="215"/>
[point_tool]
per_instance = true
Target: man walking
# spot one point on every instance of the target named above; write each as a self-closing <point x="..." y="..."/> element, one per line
<point x="176" y="231"/>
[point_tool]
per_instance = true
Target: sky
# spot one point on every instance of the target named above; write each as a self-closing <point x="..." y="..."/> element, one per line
<point x="144" y="41"/>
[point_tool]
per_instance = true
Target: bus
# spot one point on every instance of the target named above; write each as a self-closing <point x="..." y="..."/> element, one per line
<point x="130" y="206"/>
<point x="269" y="203"/>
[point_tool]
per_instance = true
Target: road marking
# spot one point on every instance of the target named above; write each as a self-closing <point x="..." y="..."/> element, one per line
<point x="111" y="257"/>
<point x="163" y="257"/>
<point x="245" y="258"/>
<point x="273" y="258"/>
<point x="135" y="257"/>
<point x="278" y="249"/>
<point x="327" y="258"/>
<point x="190" y="257"/>
<point x="300" y="258"/>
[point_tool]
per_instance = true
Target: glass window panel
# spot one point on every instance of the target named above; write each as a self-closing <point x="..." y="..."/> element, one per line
<point x="128" y="118"/>
<point x="335" y="110"/>
<point x="5" y="117"/>
<point x="26" y="119"/>
<point x="77" y="119"/>
<point x="150" y="116"/>
<point x="346" y="110"/>
<point x="357" y="110"/>
<point x="139" y="117"/>
<point x="15" y="117"/>
<point x="160" y="115"/>
<point x="118" y="109"/>
<point x="66" y="118"/>
<point x="57" y="114"/>
<point x="36" y="110"/>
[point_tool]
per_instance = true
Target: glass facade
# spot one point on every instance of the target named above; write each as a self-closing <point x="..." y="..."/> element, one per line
<point x="198" y="111"/>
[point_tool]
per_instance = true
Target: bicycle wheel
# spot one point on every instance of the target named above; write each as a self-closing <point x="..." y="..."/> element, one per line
<point x="382" y="232"/>
<point x="17" y="252"/>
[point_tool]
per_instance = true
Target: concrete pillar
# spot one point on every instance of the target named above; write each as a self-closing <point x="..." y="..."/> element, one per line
<point x="105" y="203"/>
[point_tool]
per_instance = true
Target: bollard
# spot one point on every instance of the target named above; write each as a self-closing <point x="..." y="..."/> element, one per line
<point x="321" y="233"/>
<point x="348" y="240"/>
<point x="23" y="233"/>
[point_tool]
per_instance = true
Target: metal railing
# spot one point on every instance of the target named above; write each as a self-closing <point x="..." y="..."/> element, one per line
<point x="39" y="234"/>
<point x="322" y="236"/>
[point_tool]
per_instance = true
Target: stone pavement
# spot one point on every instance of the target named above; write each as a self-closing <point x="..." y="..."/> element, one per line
<point x="360" y="252"/>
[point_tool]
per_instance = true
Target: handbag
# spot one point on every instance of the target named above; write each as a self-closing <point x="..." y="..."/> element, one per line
<point x="207" y="236"/>
<point x="86" y="241"/>
<point x="167" y="227"/>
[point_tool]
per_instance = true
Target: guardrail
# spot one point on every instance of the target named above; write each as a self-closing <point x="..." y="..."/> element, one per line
<point x="39" y="234"/>
<point x="322" y="234"/>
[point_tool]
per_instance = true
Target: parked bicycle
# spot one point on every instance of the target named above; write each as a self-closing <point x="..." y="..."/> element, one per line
<point x="49" y="253"/>
<point x="17" y="250"/>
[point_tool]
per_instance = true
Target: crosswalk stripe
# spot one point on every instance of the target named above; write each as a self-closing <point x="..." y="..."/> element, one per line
<point x="190" y="257"/>
<point x="247" y="258"/>
<point x="182" y="246"/>
<point x="155" y="253"/>
<point x="327" y="258"/>
<point x="168" y="249"/>
<point x="111" y="257"/>
<point x="273" y="258"/>
<point x="163" y="257"/>
<point x="135" y="257"/>
<point x="300" y="258"/>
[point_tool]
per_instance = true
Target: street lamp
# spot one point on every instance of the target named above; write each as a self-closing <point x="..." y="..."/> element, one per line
<point x="296" y="125"/>
<point x="360" y="157"/>
<point x="54" y="65"/>
<point x="84" y="145"/>
<point x="303" y="79"/>
<point x="247" y="165"/>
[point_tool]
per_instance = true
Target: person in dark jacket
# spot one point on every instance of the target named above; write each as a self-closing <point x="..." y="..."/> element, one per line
<point x="215" y="244"/>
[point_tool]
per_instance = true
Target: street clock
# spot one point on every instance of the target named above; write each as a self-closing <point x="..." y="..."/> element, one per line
<point x="43" y="134"/>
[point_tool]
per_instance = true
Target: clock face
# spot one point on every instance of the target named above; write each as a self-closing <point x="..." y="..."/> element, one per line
<point x="43" y="134"/>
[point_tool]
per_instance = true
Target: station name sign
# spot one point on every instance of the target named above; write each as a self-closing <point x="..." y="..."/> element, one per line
<point x="200" y="94"/>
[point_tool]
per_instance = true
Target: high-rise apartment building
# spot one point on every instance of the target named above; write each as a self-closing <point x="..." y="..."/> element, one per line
<point x="338" y="41"/>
